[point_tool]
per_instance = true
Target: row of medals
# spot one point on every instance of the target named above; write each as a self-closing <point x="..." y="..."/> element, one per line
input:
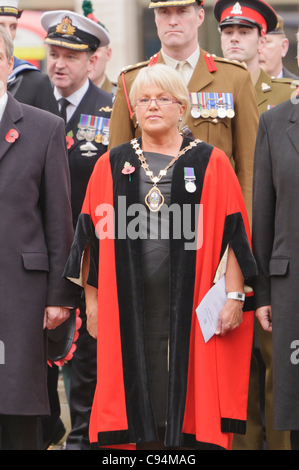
<point x="90" y="135"/>
<point x="221" y="112"/>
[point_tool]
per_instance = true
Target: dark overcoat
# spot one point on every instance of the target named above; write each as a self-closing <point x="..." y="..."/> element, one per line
<point x="276" y="245"/>
<point x="35" y="236"/>
<point x="96" y="102"/>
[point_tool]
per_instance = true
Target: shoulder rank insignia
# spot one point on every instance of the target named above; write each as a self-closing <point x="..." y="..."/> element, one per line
<point x="106" y="110"/>
<point x="153" y="60"/>
<point x="131" y="68"/>
<point x="210" y="63"/>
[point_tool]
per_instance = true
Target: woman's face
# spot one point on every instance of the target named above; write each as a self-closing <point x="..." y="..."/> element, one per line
<point x="155" y="119"/>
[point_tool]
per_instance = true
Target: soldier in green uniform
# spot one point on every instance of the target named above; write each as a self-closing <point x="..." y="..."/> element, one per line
<point x="242" y="37"/>
<point x="103" y="54"/>
<point x="276" y="48"/>
<point x="224" y="111"/>
<point x="243" y="27"/>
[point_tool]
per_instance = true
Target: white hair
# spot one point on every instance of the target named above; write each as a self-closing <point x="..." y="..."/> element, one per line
<point x="9" y="46"/>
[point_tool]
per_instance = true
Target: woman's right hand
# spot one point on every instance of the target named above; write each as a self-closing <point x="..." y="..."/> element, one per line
<point x="92" y="320"/>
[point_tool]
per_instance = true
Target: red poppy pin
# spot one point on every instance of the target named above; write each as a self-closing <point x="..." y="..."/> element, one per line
<point x="12" y="136"/>
<point x="128" y="169"/>
<point x="70" y="140"/>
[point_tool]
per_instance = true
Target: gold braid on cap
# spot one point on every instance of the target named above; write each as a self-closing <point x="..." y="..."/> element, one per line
<point x="174" y="3"/>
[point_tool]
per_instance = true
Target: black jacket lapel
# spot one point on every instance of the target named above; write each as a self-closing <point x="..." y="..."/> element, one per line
<point x="293" y="131"/>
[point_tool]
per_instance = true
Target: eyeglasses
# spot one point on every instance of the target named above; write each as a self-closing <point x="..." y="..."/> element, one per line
<point x="163" y="101"/>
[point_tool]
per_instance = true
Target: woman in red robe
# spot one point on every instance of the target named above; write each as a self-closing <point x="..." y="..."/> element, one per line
<point x="162" y="216"/>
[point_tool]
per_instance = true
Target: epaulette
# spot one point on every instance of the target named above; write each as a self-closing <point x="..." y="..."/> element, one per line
<point x="130" y="68"/>
<point x="231" y="62"/>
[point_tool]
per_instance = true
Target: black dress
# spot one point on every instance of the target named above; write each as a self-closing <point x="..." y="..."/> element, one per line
<point x="156" y="263"/>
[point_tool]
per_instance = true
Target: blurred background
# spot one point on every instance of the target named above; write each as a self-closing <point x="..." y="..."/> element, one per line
<point x="133" y="31"/>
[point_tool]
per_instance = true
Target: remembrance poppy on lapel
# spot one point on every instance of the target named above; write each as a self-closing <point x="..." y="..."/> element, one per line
<point x="70" y="140"/>
<point x="12" y="136"/>
<point x="128" y="170"/>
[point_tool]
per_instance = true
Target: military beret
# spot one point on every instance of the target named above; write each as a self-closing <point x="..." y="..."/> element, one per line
<point x="280" y="25"/>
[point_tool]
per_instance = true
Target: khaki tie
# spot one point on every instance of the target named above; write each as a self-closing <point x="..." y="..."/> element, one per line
<point x="181" y="69"/>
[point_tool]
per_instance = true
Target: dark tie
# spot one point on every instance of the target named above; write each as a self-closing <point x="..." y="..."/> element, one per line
<point x="64" y="104"/>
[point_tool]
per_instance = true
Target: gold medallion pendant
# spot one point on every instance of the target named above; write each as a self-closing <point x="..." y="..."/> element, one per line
<point x="154" y="199"/>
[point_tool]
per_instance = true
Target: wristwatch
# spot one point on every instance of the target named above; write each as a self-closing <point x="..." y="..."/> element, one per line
<point x="236" y="296"/>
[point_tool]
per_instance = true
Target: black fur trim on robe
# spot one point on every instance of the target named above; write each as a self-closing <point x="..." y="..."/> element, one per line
<point x="235" y="236"/>
<point x="85" y="235"/>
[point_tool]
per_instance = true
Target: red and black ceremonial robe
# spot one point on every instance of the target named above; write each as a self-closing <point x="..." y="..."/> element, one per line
<point x="208" y="383"/>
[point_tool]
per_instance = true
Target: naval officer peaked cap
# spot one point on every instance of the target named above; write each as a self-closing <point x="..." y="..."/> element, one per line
<point x="74" y="31"/>
<point x="175" y="3"/>
<point x="10" y="8"/>
<point x="246" y="12"/>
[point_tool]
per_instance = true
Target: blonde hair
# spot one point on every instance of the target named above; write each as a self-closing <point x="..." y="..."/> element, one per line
<point x="168" y="80"/>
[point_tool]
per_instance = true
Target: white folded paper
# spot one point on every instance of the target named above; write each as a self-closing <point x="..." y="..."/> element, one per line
<point x="210" y="308"/>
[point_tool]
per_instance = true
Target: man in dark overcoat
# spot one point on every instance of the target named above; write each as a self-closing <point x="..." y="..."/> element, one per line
<point x="275" y="245"/>
<point x="35" y="236"/>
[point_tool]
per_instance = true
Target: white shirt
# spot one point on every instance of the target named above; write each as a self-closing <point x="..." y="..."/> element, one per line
<point x="75" y="99"/>
<point x="187" y="67"/>
<point x="3" y="104"/>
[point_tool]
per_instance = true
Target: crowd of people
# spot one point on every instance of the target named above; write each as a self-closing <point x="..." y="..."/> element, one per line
<point x="122" y="206"/>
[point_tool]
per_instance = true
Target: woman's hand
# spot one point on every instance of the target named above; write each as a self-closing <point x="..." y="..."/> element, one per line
<point x="230" y="318"/>
<point x="92" y="320"/>
<point x="91" y="297"/>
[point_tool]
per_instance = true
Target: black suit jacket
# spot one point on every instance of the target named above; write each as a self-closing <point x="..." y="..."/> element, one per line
<point x="96" y="102"/>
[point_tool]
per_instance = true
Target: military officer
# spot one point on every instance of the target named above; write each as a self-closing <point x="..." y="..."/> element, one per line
<point x="224" y="110"/>
<point x="86" y="109"/>
<point x="255" y="18"/>
<point x="103" y="54"/>
<point x="73" y="40"/>
<point x="276" y="48"/>
<point x="243" y="27"/>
